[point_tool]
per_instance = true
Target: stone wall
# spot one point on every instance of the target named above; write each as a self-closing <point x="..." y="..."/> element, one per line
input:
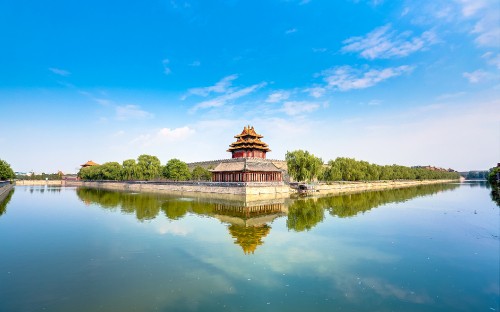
<point x="249" y="189"/>
<point x="5" y="188"/>
<point x="350" y="187"/>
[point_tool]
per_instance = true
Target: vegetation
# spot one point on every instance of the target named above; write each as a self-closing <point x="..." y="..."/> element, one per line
<point x="6" y="172"/>
<point x="303" y="166"/>
<point x="494" y="176"/>
<point x="349" y="169"/>
<point x="176" y="170"/>
<point x="475" y="175"/>
<point x="201" y="174"/>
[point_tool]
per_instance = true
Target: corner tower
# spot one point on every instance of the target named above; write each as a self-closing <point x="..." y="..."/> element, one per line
<point x="248" y="144"/>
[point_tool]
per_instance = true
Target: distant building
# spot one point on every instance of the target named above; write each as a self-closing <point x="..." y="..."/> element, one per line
<point x="248" y="163"/>
<point x="89" y="164"/>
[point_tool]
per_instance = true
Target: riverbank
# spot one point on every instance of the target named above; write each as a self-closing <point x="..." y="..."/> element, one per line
<point x="5" y="188"/>
<point x="355" y="187"/>
<point x="251" y="191"/>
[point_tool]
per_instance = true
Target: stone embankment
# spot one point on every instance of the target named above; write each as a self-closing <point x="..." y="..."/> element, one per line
<point x="248" y="189"/>
<point x="5" y="187"/>
<point x="354" y="187"/>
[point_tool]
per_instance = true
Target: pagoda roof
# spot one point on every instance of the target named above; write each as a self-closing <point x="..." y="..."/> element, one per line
<point x="246" y="164"/>
<point x="248" y="131"/>
<point x="248" y="139"/>
<point x="89" y="163"/>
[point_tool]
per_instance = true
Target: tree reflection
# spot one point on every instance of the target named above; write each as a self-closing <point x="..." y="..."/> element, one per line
<point x="495" y="195"/>
<point x="248" y="223"/>
<point x="304" y="214"/>
<point x="5" y="201"/>
<point x="144" y="206"/>
<point x="352" y="204"/>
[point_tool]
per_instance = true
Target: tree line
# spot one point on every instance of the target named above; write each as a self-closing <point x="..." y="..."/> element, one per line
<point x="6" y="172"/>
<point x="146" y="168"/>
<point x="303" y="166"/>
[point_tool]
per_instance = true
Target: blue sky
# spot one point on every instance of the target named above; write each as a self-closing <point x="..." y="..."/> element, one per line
<point x="405" y="82"/>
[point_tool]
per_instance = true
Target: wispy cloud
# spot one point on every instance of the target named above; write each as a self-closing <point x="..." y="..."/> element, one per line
<point x="290" y="31"/>
<point x="346" y="78"/>
<point x="225" y="98"/>
<point x="221" y="86"/>
<point x="477" y="76"/>
<point x="128" y="112"/>
<point x="195" y="64"/>
<point x="163" y="135"/>
<point x="60" y="72"/>
<point x="293" y="108"/>
<point x="166" y="68"/>
<point x="492" y="59"/>
<point x="278" y="96"/>
<point x="315" y="92"/>
<point x="384" y="42"/>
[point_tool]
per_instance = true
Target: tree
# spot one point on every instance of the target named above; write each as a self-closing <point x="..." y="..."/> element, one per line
<point x="201" y="174"/>
<point x="129" y="170"/>
<point x="494" y="176"/>
<point x="176" y="170"/>
<point x="110" y="171"/>
<point x="303" y="166"/>
<point x="149" y="167"/>
<point x="6" y="172"/>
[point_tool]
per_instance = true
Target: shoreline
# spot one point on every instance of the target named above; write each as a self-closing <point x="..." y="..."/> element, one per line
<point x="245" y="191"/>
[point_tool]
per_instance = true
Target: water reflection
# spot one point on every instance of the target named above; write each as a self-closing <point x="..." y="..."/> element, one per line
<point x="249" y="223"/>
<point x="4" y="201"/>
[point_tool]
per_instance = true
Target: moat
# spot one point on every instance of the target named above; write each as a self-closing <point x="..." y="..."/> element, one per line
<point x="425" y="248"/>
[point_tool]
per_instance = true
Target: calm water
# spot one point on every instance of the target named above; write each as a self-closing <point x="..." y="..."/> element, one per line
<point x="433" y="248"/>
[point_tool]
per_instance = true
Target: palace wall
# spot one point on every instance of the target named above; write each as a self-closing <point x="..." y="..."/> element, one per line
<point x="248" y="189"/>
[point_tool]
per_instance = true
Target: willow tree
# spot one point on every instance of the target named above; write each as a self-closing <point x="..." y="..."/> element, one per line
<point x="6" y="172"/>
<point x="149" y="167"/>
<point x="303" y="166"/>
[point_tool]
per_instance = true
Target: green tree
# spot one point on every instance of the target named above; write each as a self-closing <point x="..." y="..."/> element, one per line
<point x="110" y="171"/>
<point x="201" y="174"/>
<point x="494" y="175"/>
<point x="176" y="170"/>
<point x="149" y="167"/>
<point x="129" y="170"/>
<point x="303" y="166"/>
<point x="6" y="172"/>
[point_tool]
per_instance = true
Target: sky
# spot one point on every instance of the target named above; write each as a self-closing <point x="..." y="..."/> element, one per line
<point x="388" y="82"/>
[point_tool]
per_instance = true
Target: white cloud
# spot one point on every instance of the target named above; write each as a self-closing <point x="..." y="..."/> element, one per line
<point x="374" y="102"/>
<point x="291" y="31"/>
<point x="383" y="42"/>
<point x="60" y="72"/>
<point x="175" y="134"/>
<point x="160" y="136"/>
<point x="293" y="108"/>
<point x="221" y="86"/>
<point x="316" y="92"/>
<point x="230" y="96"/>
<point x="476" y="76"/>
<point x="486" y="15"/>
<point x="127" y="112"/>
<point x="195" y="64"/>
<point x="492" y="59"/>
<point x="345" y="78"/>
<point x="278" y="96"/>
<point x="166" y="68"/>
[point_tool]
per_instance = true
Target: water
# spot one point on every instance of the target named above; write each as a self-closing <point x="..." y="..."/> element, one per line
<point x="433" y="248"/>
